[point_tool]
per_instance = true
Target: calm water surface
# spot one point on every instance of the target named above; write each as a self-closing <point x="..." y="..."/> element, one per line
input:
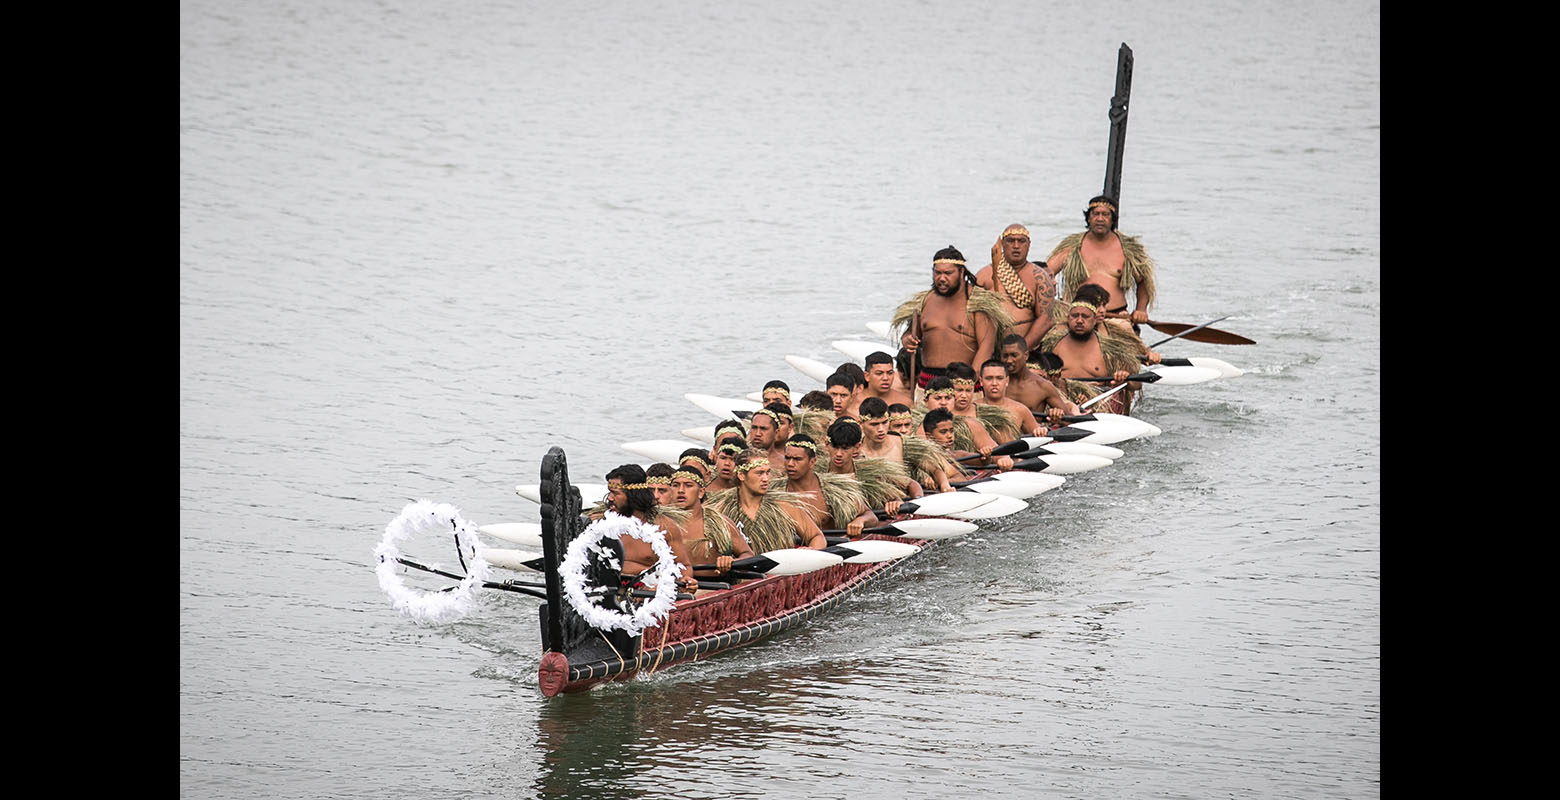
<point x="421" y="243"/>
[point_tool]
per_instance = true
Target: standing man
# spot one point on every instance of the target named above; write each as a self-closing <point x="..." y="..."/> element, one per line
<point x="1101" y="255"/>
<point x="955" y="320"/>
<point x="1027" y="289"/>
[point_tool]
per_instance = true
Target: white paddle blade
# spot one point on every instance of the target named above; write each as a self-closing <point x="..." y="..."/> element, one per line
<point x="525" y="534"/>
<point x="932" y="529"/>
<point x="757" y="397"/>
<point x="997" y="506"/>
<point x="817" y="370"/>
<point x="722" y="407"/>
<point x="1225" y="368"/>
<point x="943" y="504"/>
<point x="858" y="349"/>
<point x="1182" y="376"/>
<point x="589" y="492"/>
<point x="1140" y="427"/>
<point x="798" y="560"/>
<point x="882" y="328"/>
<point x="509" y="559"/>
<point x="1071" y="463"/>
<point x="1036" y="478"/>
<point x="663" y="450"/>
<point x="705" y="434"/>
<point x="1020" y="490"/>
<point x="871" y="551"/>
<point x="1103" y="451"/>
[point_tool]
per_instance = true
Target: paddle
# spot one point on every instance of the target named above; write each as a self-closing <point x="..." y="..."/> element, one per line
<point x="789" y="561"/>
<point x="1197" y="333"/>
<point x="915" y="529"/>
<point x="870" y="551"/>
<point x="940" y="504"/>
<point x="1004" y="449"/>
<point x="929" y="529"/>
<point x="1170" y="376"/>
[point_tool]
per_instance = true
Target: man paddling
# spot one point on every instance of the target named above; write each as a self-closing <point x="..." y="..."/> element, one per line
<point x="770" y="520"/>
<point x="708" y="535"/>
<point x="938" y="428"/>
<point x="629" y="495"/>
<point x="900" y="419"/>
<point x="1089" y="348"/>
<point x="997" y="422"/>
<point x="832" y="500"/>
<point x="970" y="435"/>
<point x="955" y="320"/>
<point x="1104" y="256"/>
<point x="1027" y="289"/>
<point x="1028" y="388"/>
<point x="993" y="392"/>
<point x="885" y="483"/>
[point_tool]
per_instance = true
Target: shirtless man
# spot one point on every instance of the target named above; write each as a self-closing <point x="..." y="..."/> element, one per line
<point x="659" y="476"/>
<point x="726" y="453"/>
<point x="1030" y="389"/>
<point x="937" y="426"/>
<point x="801" y="455"/>
<point x="881" y="382"/>
<point x="953" y="321"/>
<point x="999" y="425"/>
<point x="767" y="523"/>
<point x="900" y="420"/>
<point x="710" y="537"/>
<point x="630" y="496"/>
<point x="876" y="441"/>
<point x="776" y="391"/>
<point x="761" y="436"/>
<point x="842" y="391"/>
<point x="993" y="392"/>
<point x="1086" y="353"/>
<point x="940" y="393"/>
<point x="1027" y="289"/>
<point x="888" y="478"/>
<point x="1102" y="255"/>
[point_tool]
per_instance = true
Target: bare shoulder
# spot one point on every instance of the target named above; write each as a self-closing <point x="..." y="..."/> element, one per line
<point x="983" y="277"/>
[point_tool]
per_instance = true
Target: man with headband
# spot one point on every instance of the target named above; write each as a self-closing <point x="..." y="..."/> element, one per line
<point x="762" y="435"/>
<point x="710" y="537"/>
<point x="1108" y="258"/>
<point x="768" y="519"/>
<point x="970" y="435"/>
<point x="832" y="500"/>
<point x="1027" y="289"/>
<point x="1089" y="348"/>
<point x="955" y="320"/>
<point x="629" y="494"/>
<point x="725" y="453"/>
<point x="776" y="391"/>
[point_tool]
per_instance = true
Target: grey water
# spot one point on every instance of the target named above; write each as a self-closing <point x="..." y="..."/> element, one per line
<point x="421" y="243"/>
